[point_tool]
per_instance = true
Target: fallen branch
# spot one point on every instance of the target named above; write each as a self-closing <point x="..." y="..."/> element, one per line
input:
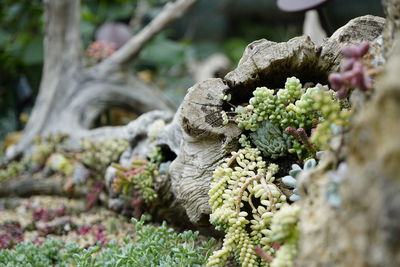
<point x="27" y="186"/>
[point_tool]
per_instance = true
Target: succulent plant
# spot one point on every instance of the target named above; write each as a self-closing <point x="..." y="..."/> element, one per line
<point x="238" y="184"/>
<point x="336" y="178"/>
<point x="271" y="141"/>
<point x="353" y="72"/>
<point x="291" y="179"/>
<point x="100" y="50"/>
<point x="139" y="177"/>
<point x="44" y="147"/>
<point x="292" y="107"/>
<point x="58" y="162"/>
<point x="99" y="154"/>
<point x="12" y="170"/>
<point x="285" y="230"/>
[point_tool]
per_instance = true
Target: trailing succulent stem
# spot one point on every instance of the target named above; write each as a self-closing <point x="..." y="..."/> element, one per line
<point x="243" y="199"/>
<point x="285" y="230"/>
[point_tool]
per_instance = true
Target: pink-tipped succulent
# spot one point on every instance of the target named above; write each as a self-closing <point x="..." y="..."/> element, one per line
<point x="353" y="72"/>
<point x="301" y="136"/>
<point x="47" y="215"/>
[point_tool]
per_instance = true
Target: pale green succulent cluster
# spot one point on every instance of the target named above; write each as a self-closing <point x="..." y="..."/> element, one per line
<point x="289" y="106"/>
<point x="100" y="154"/>
<point x="243" y="199"/>
<point x="156" y="156"/>
<point x="13" y="169"/>
<point x="244" y="141"/>
<point x="292" y="106"/>
<point x="285" y="230"/>
<point x="334" y="117"/>
<point x="58" y="162"/>
<point x="44" y="147"/>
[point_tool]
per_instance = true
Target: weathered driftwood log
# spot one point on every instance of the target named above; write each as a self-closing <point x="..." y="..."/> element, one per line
<point x="28" y="185"/>
<point x="206" y="141"/>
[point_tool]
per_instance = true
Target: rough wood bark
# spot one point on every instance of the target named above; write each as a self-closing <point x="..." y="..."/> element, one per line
<point x="205" y="142"/>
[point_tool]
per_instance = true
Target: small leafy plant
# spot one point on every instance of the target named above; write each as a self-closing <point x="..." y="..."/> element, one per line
<point x="139" y="176"/>
<point x="151" y="246"/>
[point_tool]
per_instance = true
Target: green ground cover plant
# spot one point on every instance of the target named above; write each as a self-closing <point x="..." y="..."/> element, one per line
<point x="150" y="246"/>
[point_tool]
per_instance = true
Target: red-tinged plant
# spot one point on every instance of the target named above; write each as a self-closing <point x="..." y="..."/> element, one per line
<point x="97" y="231"/>
<point x="42" y="215"/>
<point x="94" y="194"/>
<point x="47" y="215"/>
<point x="11" y="234"/>
<point x="353" y="72"/>
<point x="301" y="135"/>
<point x="138" y="178"/>
<point x="83" y="230"/>
<point x="99" y="235"/>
